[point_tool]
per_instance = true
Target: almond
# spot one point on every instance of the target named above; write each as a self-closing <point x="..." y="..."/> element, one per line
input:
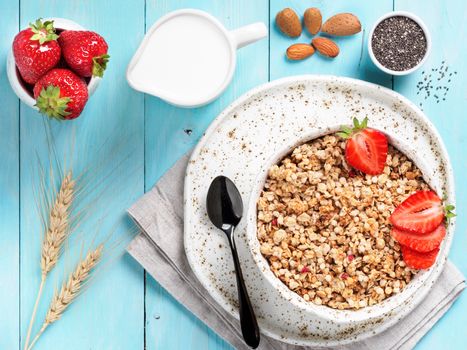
<point x="342" y="24"/>
<point x="325" y="47"/>
<point x="289" y="23"/>
<point x="313" y="19"/>
<point x="298" y="52"/>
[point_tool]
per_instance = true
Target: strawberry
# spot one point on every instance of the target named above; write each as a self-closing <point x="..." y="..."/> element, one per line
<point x="420" y="243"/>
<point x="36" y="50"/>
<point x="85" y="52"/>
<point x="61" y="94"/>
<point x="421" y="213"/>
<point x="366" y="149"/>
<point x="417" y="260"/>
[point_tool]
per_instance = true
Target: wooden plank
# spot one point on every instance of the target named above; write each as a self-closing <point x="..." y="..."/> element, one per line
<point x="170" y="132"/>
<point x="447" y="23"/>
<point x="9" y="188"/>
<point x="353" y="60"/>
<point x="109" y="315"/>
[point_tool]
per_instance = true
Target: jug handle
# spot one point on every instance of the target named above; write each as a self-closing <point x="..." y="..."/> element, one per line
<point x="249" y="34"/>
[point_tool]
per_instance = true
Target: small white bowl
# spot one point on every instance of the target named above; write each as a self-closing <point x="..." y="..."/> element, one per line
<point x="15" y="79"/>
<point x="417" y="20"/>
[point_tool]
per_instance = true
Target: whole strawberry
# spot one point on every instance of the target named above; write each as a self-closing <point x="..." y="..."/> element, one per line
<point x="36" y="50"/>
<point x="85" y="52"/>
<point x="61" y="94"/>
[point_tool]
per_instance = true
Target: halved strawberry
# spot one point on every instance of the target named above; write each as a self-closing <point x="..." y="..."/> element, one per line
<point x="421" y="213"/>
<point x="420" y="243"/>
<point x="417" y="260"/>
<point x="366" y="148"/>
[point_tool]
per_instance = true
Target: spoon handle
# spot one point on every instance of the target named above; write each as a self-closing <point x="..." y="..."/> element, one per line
<point x="249" y="325"/>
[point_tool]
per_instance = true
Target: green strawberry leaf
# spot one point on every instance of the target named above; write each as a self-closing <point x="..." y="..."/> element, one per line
<point x="356" y="123"/>
<point x="343" y="135"/>
<point x="347" y="132"/>
<point x="51" y="104"/>
<point x="99" y="64"/>
<point x="43" y="32"/>
<point x="448" y="212"/>
<point x="364" y="123"/>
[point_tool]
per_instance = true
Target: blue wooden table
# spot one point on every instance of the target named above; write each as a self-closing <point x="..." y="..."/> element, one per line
<point x="124" y="308"/>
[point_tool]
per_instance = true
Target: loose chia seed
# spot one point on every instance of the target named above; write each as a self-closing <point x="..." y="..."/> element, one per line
<point x="399" y="43"/>
<point x="435" y="83"/>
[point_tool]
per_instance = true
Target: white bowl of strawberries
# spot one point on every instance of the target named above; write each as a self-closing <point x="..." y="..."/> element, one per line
<point x="55" y="65"/>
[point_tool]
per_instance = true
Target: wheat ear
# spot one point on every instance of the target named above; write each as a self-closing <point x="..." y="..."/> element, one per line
<point x="70" y="290"/>
<point x="55" y="235"/>
<point x="57" y="231"/>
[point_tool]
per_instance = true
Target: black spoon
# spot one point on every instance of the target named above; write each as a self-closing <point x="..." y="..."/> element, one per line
<point x="225" y="209"/>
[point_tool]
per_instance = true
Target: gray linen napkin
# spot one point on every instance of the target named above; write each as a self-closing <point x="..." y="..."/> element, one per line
<point x="159" y="249"/>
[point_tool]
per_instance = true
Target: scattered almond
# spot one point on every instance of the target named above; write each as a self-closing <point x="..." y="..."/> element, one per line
<point x="342" y="24"/>
<point x="298" y="52"/>
<point x="325" y="47"/>
<point x="313" y="19"/>
<point x="289" y="23"/>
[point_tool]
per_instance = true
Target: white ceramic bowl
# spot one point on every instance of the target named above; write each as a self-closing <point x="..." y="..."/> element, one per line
<point x="335" y="316"/>
<point x="14" y="77"/>
<point x="242" y="143"/>
<point x="415" y="19"/>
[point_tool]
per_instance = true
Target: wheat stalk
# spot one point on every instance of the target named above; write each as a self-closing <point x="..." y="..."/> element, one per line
<point x="56" y="233"/>
<point x="70" y="290"/>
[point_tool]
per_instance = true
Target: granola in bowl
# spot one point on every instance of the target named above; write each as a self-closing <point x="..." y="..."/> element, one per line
<point x="324" y="227"/>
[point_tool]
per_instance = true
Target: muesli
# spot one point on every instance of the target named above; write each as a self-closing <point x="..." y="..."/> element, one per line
<point x="324" y="227"/>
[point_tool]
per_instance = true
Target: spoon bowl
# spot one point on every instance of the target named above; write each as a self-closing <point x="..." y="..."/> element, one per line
<point x="224" y="203"/>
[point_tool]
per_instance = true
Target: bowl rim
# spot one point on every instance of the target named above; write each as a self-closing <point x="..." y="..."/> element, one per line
<point x="417" y="20"/>
<point x="12" y="71"/>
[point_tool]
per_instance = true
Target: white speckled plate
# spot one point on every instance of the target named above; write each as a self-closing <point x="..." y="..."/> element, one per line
<point x="240" y="144"/>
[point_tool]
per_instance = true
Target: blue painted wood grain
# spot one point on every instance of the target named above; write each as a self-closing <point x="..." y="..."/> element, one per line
<point x="9" y="187"/>
<point x="447" y="23"/>
<point x="353" y="60"/>
<point x="110" y="314"/>
<point x="122" y="309"/>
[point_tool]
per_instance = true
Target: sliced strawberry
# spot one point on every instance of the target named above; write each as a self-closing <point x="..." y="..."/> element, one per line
<point x="366" y="148"/>
<point x="417" y="260"/>
<point x="421" y="213"/>
<point x="420" y="243"/>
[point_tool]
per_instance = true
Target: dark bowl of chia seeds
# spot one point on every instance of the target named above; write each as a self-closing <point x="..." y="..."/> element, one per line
<point x="399" y="43"/>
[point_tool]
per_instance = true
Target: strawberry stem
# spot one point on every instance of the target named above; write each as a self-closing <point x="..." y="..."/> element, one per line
<point x="99" y="65"/>
<point x="347" y="132"/>
<point x="43" y="32"/>
<point x="51" y="104"/>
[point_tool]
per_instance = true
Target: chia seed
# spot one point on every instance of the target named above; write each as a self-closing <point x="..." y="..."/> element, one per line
<point x="434" y="83"/>
<point x="399" y="43"/>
